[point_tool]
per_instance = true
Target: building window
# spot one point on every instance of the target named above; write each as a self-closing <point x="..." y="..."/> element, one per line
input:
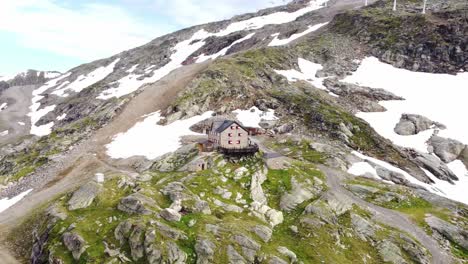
<point x="238" y="142"/>
<point x="232" y="127"/>
<point x="230" y="142"/>
<point x="230" y="134"/>
<point x="240" y="134"/>
<point x="237" y="127"/>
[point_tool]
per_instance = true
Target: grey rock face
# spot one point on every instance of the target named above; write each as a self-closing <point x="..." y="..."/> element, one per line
<point x="363" y="228"/>
<point x="283" y="129"/>
<point x="170" y="232"/>
<point x="416" y="252"/>
<point x="300" y="192"/>
<point x="170" y="215"/>
<point x="75" y="243"/>
<point x="451" y="232"/>
<point x="175" y="255"/>
<point x="464" y="156"/>
<point x="122" y="231"/>
<point x="446" y="149"/>
<point x="362" y="190"/>
<point x="411" y="124"/>
<point x="390" y="252"/>
<point x="234" y="256"/>
<point x="248" y="245"/>
<point x="205" y="250"/>
<point x="136" y="240"/>
<point x="433" y="165"/>
<point x="137" y="203"/>
<point x="263" y="232"/>
<point x="84" y="196"/>
<point x="322" y="210"/>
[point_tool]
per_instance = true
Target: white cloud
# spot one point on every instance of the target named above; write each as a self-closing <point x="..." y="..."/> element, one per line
<point x="88" y="32"/>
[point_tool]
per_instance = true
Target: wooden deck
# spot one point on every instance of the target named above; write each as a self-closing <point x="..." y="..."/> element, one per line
<point x="250" y="150"/>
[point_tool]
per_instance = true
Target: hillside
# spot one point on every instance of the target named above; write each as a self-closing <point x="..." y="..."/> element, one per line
<point x="363" y="159"/>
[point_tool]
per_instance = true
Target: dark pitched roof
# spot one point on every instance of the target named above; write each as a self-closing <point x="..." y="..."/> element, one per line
<point x="226" y="124"/>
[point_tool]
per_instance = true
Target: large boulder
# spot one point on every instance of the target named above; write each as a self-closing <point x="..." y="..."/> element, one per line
<point x="434" y="166"/>
<point x="234" y="257"/>
<point x="75" y="243"/>
<point x="84" y="196"/>
<point x="453" y="233"/>
<point x="464" y="156"/>
<point x="170" y="215"/>
<point x="137" y="203"/>
<point x="446" y="149"/>
<point x="413" y="124"/>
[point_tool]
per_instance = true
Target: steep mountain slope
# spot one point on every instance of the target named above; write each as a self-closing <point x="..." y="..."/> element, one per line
<point x="326" y="186"/>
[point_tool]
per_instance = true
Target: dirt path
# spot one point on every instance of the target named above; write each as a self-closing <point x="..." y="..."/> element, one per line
<point x="389" y="217"/>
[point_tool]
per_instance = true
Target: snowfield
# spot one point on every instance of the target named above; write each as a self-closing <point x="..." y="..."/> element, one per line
<point x="86" y="80"/>
<point x="151" y="140"/>
<point x="3" y="106"/>
<point x="252" y="117"/>
<point x="455" y="192"/>
<point x="308" y="73"/>
<point x="440" y="97"/>
<point x="7" y="203"/>
<point x="280" y="42"/>
<point x="37" y="112"/>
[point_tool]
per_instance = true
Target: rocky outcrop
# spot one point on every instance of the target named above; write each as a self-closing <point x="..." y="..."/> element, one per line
<point x="248" y="246"/>
<point x="433" y="165"/>
<point x="137" y="203"/>
<point x="300" y="192"/>
<point x="413" y="124"/>
<point x="446" y="149"/>
<point x="390" y="252"/>
<point x="453" y="233"/>
<point x="75" y="243"/>
<point x="84" y="196"/>
<point x="135" y="240"/>
<point x="205" y="250"/>
<point x="256" y="191"/>
<point x="263" y="232"/>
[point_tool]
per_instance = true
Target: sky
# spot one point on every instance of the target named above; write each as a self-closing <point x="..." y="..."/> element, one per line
<point x="61" y="34"/>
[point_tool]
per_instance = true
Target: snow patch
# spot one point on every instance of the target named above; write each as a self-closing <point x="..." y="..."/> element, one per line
<point x="151" y="140"/>
<point x="3" y="106"/>
<point x="37" y="113"/>
<point x="363" y="169"/>
<point x="280" y="42"/>
<point x="21" y="123"/>
<point x="7" y="203"/>
<point x="62" y="116"/>
<point x="308" y="73"/>
<point x="3" y="133"/>
<point x="253" y="116"/>
<point x="440" y="97"/>
<point x="84" y="81"/>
